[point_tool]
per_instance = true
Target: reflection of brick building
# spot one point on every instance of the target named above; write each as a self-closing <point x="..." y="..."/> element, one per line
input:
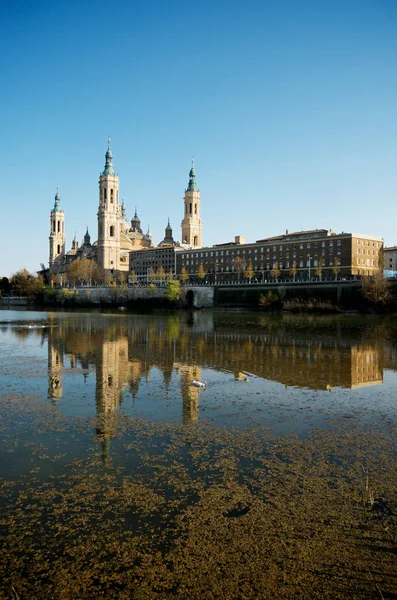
<point x="341" y="255"/>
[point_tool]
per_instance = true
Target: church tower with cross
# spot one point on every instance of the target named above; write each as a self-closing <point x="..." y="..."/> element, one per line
<point x="109" y="215"/>
<point x="192" y="225"/>
<point x="57" y="231"/>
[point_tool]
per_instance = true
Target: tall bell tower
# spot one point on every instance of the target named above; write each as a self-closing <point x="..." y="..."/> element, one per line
<point x="57" y="231"/>
<point x="192" y="225"/>
<point x="109" y="214"/>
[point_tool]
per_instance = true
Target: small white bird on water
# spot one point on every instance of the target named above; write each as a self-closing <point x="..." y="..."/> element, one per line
<point x="202" y="384"/>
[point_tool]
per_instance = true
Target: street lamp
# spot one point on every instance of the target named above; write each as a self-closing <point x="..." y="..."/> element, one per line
<point x="308" y="260"/>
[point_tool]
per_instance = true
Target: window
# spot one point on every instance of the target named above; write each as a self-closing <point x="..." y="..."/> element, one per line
<point x="301" y="263"/>
<point x="190" y="208"/>
<point x="58" y="249"/>
<point x="59" y="226"/>
<point x="301" y="246"/>
<point x="307" y="245"/>
<point x="195" y="209"/>
<point x="338" y="243"/>
<point x="111" y="196"/>
<point x="323" y="244"/>
<point x="111" y="231"/>
<point x="105" y="194"/>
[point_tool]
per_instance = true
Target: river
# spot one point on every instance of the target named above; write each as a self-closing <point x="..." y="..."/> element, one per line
<point x="120" y="478"/>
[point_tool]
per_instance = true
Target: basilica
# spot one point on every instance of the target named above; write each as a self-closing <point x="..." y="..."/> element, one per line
<point x="117" y="237"/>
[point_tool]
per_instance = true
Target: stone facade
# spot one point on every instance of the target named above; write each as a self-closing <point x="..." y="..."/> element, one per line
<point x="315" y="254"/>
<point x="117" y="238"/>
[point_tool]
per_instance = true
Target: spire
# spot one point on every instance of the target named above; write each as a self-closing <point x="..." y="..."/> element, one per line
<point x="192" y="187"/>
<point x="136" y="223"/>
<point x="168" y="239"/>
<point x="87" y="238"/>
<point x="109" y="169"/>
<point x="122" y="208"/>
<point x="57" y="204"/>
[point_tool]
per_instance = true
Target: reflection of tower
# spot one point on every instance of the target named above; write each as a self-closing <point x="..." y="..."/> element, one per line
<point x="112" y="362"/>
<point x="190" y="393"/>
<point x="55" y="370"/>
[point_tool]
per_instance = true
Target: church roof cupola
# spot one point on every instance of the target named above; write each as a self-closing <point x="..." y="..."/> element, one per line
<point x="57" y="203"/>
<point x="192" y="187"/>
<point x="87" y="239"/>
<point x="168" y="239"/>
<point x="136" y="223"/>
<point x="109" y="168"/>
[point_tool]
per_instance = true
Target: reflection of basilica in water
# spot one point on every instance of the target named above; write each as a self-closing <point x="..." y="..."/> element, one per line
<point x="123" y="351"/>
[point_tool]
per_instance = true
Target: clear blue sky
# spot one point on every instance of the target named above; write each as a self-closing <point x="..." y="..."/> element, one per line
<point x="289" y="109"/>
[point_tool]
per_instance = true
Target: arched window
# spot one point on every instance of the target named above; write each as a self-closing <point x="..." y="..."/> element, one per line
<point x="190" y="208"/>
<point x="53" y="226"/>
<point x="111" y="196"/>
<point x="195" y="209"/>
<point x="59" y="226"/>
<point x="58" y="249"/>
<point x="112" y="231"/>
<point x="195" y="241"/>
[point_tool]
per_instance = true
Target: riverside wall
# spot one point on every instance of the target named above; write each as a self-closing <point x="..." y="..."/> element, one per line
<point x="345" y="294"/>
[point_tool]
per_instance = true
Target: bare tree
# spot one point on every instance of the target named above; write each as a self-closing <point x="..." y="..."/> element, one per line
<point x="275" y="271"/>
<point x="239" y="265"/>
<point x="161" y="273"/>
<point x="293" y="270"/>
<point x="335" y="268"/>
<point x="319" y="269"/>
<point x="201" y="273"/>
<point x="184" y="276"/>
<point x="249" y="273"/>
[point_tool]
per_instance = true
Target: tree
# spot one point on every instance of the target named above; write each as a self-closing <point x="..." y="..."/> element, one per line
<point x="152" y="274"/>
<point x="133" y="276"/>
<point x="275" y="272"/>
<point x="293" y="270"/>
<point x="161" y="273"/>
<point x="335" y="268"/>
<point x="170" y="276"/>
<point x="201" y="273"/>
<point x="74" y="271"/>
<point x="239" y="265"/>
<point x="27" y="284"/>
<point x="376" y="289"/>
<point x="152" y="290"/>
<point x="173" y="291"/>
<point x="319" y="269"/>
<point x="184" y="276"/>
<point x="122" y="279"/>
<point x="250" y="271"/>
<point x="5" y="285"/>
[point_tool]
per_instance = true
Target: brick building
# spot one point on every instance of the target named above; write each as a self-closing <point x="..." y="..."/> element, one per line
<point x="304" y="255"/>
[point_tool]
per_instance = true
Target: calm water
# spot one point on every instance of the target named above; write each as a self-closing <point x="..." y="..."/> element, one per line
<point x="110" y="395"/>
